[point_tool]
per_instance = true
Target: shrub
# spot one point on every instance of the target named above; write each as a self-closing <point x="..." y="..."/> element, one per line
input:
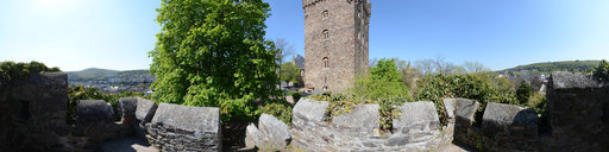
<point x="12" y="71"/>
<point x="383" y="81"/>
<point x="523" y="93"/>
<point x="537" y="102"/>
<point x="283" y="111"/>
<point x="289" y="72"/>
<point x="601" y="72"/>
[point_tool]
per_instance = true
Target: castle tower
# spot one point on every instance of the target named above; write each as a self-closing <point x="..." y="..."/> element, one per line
<point x="336" y="42"/>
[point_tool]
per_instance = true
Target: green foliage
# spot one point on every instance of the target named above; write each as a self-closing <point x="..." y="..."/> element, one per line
<point x="388" y="111"/>
<point x="601" y="72"/>
<point x="382" y="85"/>
<point x="537" y="102"/>
<point x="289" y="72"/>
<point x="213" y="53"/>
<point x="339" y="103"/>
<point x="283" y="111"/>
<point x="10" y="71"/>
<point x="383" y="81"/>
<point x="523" y="92"/>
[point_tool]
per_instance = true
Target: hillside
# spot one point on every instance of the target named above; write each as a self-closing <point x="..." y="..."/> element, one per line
<point x="112" y="81"/>
<point x="95" y="74"/>
<point x="547" y="67"/>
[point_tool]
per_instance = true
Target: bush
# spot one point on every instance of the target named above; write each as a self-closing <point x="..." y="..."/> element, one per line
<point x="289" y="72"/>
<point x="12" y="71"/>
<point x="601" y="72"/>
<point x="523" y="93"/>
<point x="537" y="102"/>
<point x="283" y="111"/>
<point x="383" y="81"/>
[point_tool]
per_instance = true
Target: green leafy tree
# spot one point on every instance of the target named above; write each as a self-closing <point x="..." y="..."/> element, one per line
<point x="523" y="93"/>
<point x="12" y="71"/>
<point x="383" y="81"/>
<point x="289" y="72"/>
<point x="213" y="53"/>
<point x="601" y="72"/>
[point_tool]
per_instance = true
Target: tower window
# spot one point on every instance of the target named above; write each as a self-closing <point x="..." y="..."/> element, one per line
<point x="324" y="14"/>
<point x="325" y="34"/>
<point x="325" y="61"/>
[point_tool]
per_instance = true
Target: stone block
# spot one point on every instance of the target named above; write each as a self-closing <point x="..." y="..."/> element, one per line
<point x="460" y="108"/>
<point x="127" y="109"/>
<point x="563" y="79"/>
<point x="273" y="132"/>
<point x="252" y="136"/>
<point x="196" y="119"/>
<point x="145" y="109"/>
<point x="463" y="111"/>
<point x="363" y="118"/>
<point x="418" y="122"/>
<point x="509" y="127"/>
<point x="94" y="110"/>
<point x="417" y="113"/>
<point x="183" y="128"/>
<point x="307" y="110"/>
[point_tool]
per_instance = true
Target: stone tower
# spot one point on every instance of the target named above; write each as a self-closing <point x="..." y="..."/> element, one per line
<point x="336" y="42"/>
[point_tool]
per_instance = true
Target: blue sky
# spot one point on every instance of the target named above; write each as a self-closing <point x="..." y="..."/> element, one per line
<point x="117" y="34"/>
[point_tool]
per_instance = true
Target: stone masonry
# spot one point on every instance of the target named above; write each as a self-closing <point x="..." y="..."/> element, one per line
<point x="336" y="42"/>
<point x="181" y="128"/>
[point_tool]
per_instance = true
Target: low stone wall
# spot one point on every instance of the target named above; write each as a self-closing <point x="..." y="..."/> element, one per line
<point x="33" y="113"/>
<point x="182" y="128"/>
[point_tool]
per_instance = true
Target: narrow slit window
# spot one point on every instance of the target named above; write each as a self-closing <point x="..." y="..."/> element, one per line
<point x="325" y="61"/>
<point x="325" y="34"/>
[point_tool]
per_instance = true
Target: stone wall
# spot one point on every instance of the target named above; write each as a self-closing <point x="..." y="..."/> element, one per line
<point x="417" y="129"/>
<point x="33" y="113"/>
<point x="578" y="110"/>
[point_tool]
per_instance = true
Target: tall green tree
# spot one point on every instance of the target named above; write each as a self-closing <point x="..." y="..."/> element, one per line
<point x="289" y="72"/>
<point x="213" y="53"/>
<point x="523" y="92"/>
<point x="383" y="81"/>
